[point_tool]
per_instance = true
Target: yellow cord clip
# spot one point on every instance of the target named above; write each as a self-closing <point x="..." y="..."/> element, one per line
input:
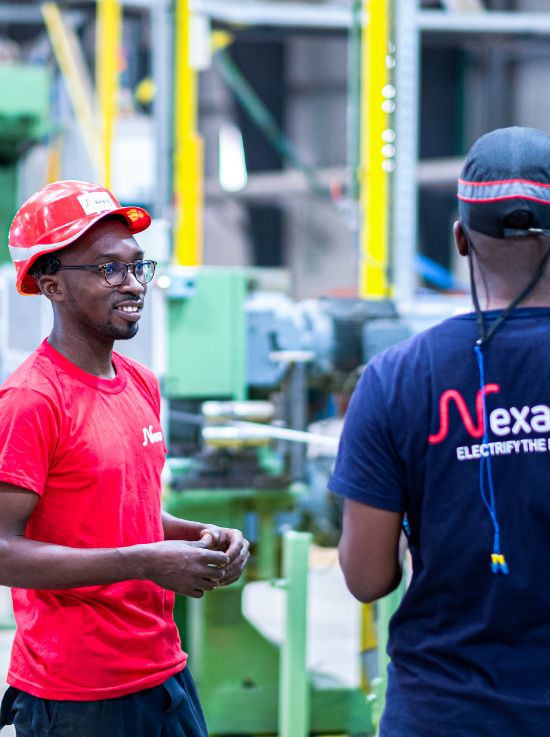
<point x="498" y="563"/>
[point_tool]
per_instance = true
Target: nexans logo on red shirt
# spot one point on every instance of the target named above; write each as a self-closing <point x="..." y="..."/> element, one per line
<point x="151" y="437"/>
<point x="502" y="421"/>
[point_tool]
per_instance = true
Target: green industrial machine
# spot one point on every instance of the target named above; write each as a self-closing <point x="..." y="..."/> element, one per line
<point x="206" y="327"/>
<point x="235" y="666"/>
<point x="24" y="119"/>
<point x="237" y="482"/>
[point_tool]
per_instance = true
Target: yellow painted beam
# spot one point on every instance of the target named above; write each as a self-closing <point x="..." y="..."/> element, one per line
<point x="368" y="641"/>
<point x="188" y="148"/>
<point x="108" y="43"/>
<point x="53" y="168"/>
<point x="70" y="60"/>
<point x="373" y="177"/>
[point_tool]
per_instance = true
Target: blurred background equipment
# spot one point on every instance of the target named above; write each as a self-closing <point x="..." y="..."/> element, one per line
<point x="24" y="120"/>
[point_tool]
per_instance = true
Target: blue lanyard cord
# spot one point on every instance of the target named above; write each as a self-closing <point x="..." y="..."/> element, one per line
<point x="498" y="561"/>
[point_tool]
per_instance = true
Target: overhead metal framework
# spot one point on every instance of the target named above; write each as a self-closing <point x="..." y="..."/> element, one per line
<point x="409" y="23"/>
<point x="15" y="13"/>
<point x="276" y="14"/>
<point x="335" y="16"/>
<point x="490" y="21"/>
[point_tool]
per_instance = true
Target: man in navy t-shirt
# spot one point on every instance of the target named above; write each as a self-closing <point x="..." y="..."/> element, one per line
<point x="452" y="428"/>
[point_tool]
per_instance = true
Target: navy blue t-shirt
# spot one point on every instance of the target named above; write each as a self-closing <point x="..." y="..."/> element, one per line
<point x="470" y="650"/>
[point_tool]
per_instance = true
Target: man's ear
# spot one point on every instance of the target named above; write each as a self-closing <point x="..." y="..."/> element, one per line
<point x="461" y="240"/>
<point x="49" y="286"/>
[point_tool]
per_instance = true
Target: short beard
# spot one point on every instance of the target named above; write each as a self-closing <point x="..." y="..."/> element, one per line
<point x="107" y="331"/>
<point x="104" y="330"/>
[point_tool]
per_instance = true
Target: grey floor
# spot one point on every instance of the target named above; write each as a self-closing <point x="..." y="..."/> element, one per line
<point x="333" y="622"/>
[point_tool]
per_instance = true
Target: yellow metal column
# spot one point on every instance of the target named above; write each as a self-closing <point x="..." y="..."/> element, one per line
<point x="374" y="185"/>
<point x="369" y="643"/>
<point x="188" y="149"/>
<point x="108" y="34"/>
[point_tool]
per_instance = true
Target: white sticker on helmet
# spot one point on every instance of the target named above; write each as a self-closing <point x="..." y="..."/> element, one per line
<point x="93" y="202"/>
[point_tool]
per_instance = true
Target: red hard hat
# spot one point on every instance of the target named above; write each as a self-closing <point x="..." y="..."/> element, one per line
<point x="55" y="216"/>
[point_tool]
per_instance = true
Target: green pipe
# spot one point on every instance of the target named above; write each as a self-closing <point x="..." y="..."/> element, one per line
<point x="293" y="681"/>
<point x="266" y="553"/>
<point x="385" y="611"/>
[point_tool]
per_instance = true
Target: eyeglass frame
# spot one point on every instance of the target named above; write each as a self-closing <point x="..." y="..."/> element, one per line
<point x="129" y="267"/>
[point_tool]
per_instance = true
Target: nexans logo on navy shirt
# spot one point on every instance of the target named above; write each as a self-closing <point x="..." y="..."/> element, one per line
<point x="504" y="422"/>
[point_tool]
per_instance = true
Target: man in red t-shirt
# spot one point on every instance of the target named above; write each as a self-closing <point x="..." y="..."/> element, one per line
<point x="92" y="560"/>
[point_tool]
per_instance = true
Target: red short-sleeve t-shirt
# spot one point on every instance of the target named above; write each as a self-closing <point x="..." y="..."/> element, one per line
<point x="93" y="450"/>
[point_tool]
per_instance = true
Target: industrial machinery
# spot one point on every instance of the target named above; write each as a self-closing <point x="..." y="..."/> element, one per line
<point x="230" y="341"/>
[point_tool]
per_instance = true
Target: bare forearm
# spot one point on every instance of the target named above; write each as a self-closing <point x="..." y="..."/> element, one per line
<point x="180" y="529"/>
<point x="188" y="568"/>
<point x="368" y="580"/>
<point x="368" y="589"/>
<point x="369" y="550"/>
<point x="31" y="564"/>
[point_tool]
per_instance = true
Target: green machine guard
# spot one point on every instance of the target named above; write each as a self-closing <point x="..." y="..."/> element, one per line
<point x="237" y="669"/>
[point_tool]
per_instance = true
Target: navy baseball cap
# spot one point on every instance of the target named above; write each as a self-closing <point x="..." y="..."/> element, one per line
<point x="504" y="186"/>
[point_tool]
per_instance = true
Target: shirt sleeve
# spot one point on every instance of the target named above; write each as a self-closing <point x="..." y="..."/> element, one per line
<point x="28" y="438"/>
<point x="368" y="468"/>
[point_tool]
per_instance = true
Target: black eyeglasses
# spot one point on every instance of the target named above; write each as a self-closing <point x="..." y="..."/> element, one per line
<point x="115" y="272"/>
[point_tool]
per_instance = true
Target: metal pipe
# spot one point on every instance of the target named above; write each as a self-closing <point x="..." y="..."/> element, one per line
<point x="354" y="99"/>
<point x="293" y="682"/>
<point x="282" y="184"/>
<point x="242" y="429"/>
<point x="17" y="13"/>
<point x="109" y="26"/>
<point x="354" y="53"/>
<point x="354" y="122"/>
<point x="332" y="16"/>
<point x="404" y="199"/>
<point x="300" y="15"/>
<point x="297" y="397"/>
<point x="287" y="184"/>
<point x="256" y="410"/>
<point x="492" y="22"/>
<point x="250" y="430"/>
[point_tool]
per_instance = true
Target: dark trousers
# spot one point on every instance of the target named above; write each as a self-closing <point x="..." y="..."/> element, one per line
<point x="169" y="710"/>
